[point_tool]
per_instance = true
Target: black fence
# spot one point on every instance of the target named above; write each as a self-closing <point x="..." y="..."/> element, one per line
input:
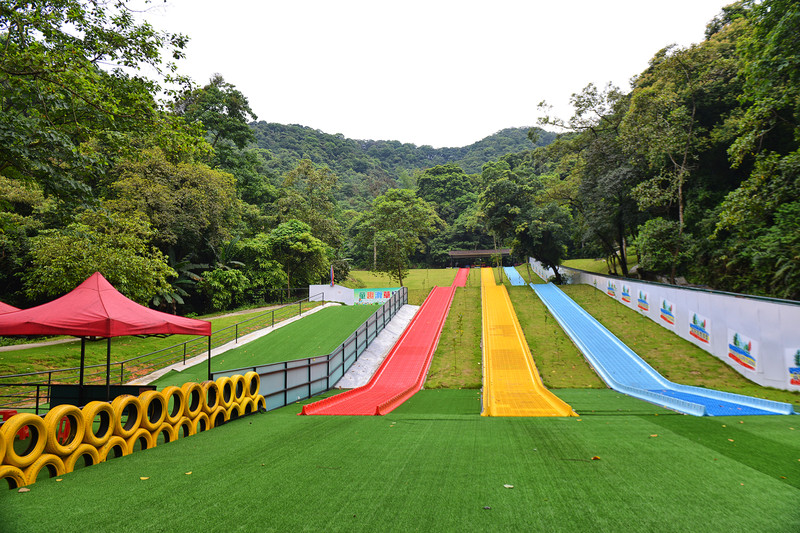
<point x="31" y="391"/>
<point x="290" y="381"/>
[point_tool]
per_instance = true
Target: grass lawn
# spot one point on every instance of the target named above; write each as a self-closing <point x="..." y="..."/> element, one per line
<point x="435" y="465"/>
<point x="598" y="266"/>
<point x="316" y="334"/>
<point x="67" y="355"/>
<point x="420" y="281"/>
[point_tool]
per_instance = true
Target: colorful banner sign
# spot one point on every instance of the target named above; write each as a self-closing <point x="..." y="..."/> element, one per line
<point x="667" y="312"/>
<point x="643" y="302"/>
<point x="611" y="289"/>
<point x="700" y="328"/>
<point x="793" y="362"/>
<point x="626" y="293"/>
<point x="372" y="296"/>
<point x="742" y="350"/>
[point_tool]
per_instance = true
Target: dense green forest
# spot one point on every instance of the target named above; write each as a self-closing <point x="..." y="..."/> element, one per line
<point x="185" y="201"/>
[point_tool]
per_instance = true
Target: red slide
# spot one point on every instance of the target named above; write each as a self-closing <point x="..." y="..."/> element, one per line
<point x="403" y="371"/>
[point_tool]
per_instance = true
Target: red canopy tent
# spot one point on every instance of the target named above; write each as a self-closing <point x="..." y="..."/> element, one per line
<point x="5" y="308"/>
<point x="96" y="309"/>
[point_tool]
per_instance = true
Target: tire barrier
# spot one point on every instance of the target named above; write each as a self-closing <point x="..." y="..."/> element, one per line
<point x="225" y="386"/>
<point x="194" y="399"/>
<point x="175" y="398"/>
<point x="142" y="438"/>
<point x="261" y="403"/>
<point x="35" y="442"/>
<point x="218" y="417"/>
<point x="102" y="430"/>
<point x="13" y="476"/>
<point x="252" y="383"/>
<point x="210" y="396"/>
<point x="184" y="428"/>
<point x="129" y="409"/>
<point x="87" y="452"/>
<point x="200" y="423"/>
<point x="53" y="464"/>
<point x="168" y="431"/>
<point x="102" y="415"/>
<point x="52" y="426"/>
<point x="239" y="391"/>
<point x="154" y="410"/>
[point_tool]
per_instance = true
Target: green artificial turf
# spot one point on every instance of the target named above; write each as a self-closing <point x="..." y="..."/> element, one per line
<point x="317" y="334"/>
<point x="434" y="464"/>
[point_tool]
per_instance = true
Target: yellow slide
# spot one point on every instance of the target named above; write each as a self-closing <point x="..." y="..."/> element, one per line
<point x="511" y="383"/>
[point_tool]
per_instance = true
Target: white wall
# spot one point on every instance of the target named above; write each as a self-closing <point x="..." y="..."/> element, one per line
<point x="769" y="327"/>
<point x="337" y="293"/>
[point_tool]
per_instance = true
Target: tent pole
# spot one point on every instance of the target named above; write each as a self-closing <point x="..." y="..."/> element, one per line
<point x="209" y="357"/>
<point x="108" y="369"/>
<point x="80" y="379"/>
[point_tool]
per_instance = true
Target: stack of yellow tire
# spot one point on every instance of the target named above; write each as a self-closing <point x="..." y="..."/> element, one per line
<point x="118" y="428"/>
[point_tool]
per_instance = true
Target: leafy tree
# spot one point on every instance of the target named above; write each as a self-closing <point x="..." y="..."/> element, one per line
<point x="660" y="246"/>
<point x="224" y="288"/>
<point x="70" y="72"/>
<point x="307" y="195"/>
<point x="396" y="226"/>
<point x="189" y="204"/>
<point x="303" y="256"/>
<point x="114" y="244"/>
<point x="264" y="272"/>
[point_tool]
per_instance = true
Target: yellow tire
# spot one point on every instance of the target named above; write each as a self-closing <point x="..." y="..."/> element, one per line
<point x="184" y="428"/>
<point x="210" y="396"/>
<point x="87" y="452"/>
<point x="218" y="417"/>
<point x="127" y="415"/>
<point x="53" y="464"/>
<point x="143" y="438"/>
<point x="239" y="391"/>
<point x="252" y="382"/>
<point x="194" y="399"/>
<point x="261" y="403"/>
<point x="102" y="414"/>
<point x="154" y="409"/>
<point x="35" y="442"/>
<point x="52" y="425"/>
<point x="200" y="423"/>
<point x="116" y="446"/>
<point x="168" y="431"/>
<point x="247" y="407"/>
<point x="13" y="475"/>
<point x="225" y="386"/>
<point x="232" y="412"/>
<point x="175" y="399"/>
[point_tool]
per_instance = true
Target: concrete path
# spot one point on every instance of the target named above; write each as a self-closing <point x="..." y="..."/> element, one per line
<point x="225" y="347"/>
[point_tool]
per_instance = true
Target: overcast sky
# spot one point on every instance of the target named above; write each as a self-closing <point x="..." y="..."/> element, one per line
<point x="444" y="73"/>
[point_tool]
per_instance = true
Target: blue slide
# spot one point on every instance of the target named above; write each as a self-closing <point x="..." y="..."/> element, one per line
<point x="513" y="276"/>
<point x="624" y="371"/>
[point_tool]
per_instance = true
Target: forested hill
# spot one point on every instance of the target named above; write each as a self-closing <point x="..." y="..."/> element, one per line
<point x="391" y="159"/>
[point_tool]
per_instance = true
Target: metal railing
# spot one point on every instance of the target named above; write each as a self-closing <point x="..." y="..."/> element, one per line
<point x="30" y="390"/>
<point x="289" y="381"/>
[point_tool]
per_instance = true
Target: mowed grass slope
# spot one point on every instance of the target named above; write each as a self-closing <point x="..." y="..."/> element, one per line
<point x="317" y="334"/>
<point x="435" y="465"/>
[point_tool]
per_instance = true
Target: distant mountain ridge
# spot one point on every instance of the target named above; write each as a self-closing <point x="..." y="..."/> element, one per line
<point x="335" y="149"/>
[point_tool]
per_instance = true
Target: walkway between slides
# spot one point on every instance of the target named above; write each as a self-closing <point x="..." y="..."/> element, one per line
<point x="511" y="383"/>
<point x="623" y="370"/>
<point x="403" y="371"/>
